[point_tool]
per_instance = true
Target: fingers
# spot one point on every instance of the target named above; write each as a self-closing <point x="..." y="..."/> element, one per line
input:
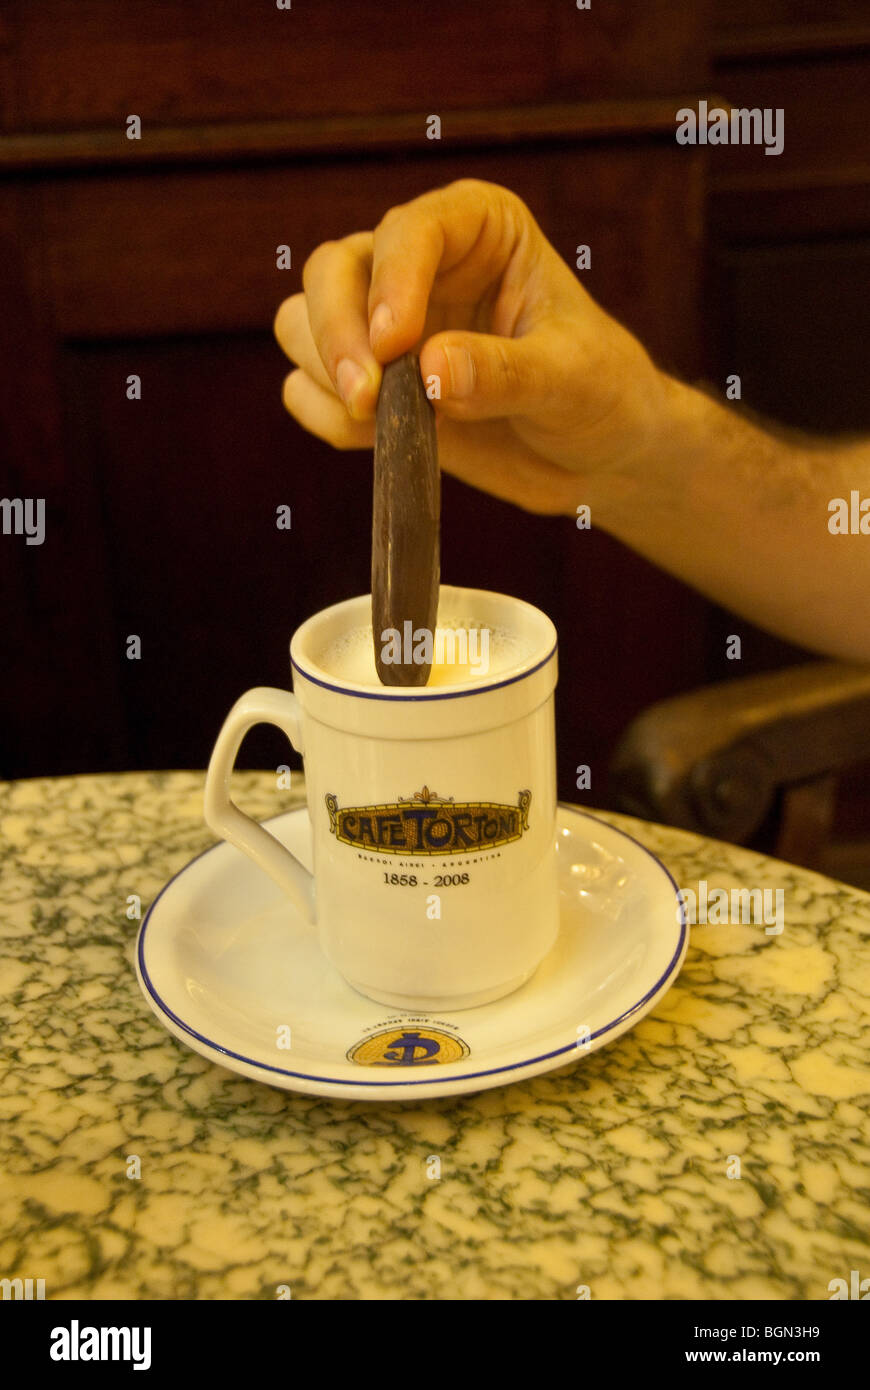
<point x="408" y="245"/>
<point x="368" y="297"/>
<point x="336" y="280"/>
<point x="466" y="232"/>
<point x="482" y="376"/>
<point x="293" y="331"/>
<point x="321" y="412"/>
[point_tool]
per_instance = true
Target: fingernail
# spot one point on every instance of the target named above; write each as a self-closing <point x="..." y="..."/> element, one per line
<point x="382" y="320"/>
<point x="350" y="378"/>
<point x="460" y="365"/>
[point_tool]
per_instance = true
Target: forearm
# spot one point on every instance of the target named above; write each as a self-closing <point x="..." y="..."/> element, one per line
<point x="743" y="516"/>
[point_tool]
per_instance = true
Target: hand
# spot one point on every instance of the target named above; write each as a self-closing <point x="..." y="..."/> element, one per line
<point x="543" y="395"/>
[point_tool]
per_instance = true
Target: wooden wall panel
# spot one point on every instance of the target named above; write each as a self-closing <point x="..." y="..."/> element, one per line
<point x="94" y="62"/>
<point x="773" y="28"/>
<point x="795" y="322"/>
<point x="789" y="235"/>
<point x="791" y="250"/>
<point x="184" y="251"/>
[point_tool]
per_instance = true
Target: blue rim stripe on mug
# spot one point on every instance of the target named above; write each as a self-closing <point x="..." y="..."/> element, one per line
<point x="430" y="1079"/>
<point x="448" y="695"/>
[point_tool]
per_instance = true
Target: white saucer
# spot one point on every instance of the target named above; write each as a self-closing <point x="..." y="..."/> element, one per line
<point x="229" y="968"/>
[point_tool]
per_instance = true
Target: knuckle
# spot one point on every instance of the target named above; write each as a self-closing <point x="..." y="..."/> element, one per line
<point x="469" y="186"/>
<point x="391" y="217"/>
<point x="291" y="382"/>
<point x="508" y="373"/>
<point x="480" y="190"/>
<point x="287" y="317"/>
<point x="280" y="320"/>
<point x="314" y="262"/>
<point x="357" y="245"/>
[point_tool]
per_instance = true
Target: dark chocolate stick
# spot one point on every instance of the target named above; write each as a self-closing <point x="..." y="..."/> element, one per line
<point x="406" y="523"/>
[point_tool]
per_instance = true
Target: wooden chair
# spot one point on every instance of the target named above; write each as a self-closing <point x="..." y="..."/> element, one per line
<point x="730" y="759"/>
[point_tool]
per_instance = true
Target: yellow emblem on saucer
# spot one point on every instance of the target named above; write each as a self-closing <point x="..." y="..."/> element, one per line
<point x="408" y="1047"/>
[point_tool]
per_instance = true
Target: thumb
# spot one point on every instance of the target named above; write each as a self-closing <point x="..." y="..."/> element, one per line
<point x="478" y="376"/>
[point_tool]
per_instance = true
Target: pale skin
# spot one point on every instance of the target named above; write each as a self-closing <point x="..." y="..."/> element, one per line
<point x="548" y="402"/>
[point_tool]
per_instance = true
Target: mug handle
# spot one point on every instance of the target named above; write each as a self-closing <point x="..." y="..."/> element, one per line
<point x="262" y="705"/>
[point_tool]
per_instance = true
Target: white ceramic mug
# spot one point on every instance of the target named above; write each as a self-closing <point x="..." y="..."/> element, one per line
<point x="433" y="812"/>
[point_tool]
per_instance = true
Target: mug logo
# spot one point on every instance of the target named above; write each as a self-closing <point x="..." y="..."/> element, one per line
<point x="429" y="824"/>
<point x="408" y="1047"/>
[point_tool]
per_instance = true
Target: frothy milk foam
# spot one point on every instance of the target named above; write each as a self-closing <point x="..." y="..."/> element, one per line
<point x="487" y="653"/>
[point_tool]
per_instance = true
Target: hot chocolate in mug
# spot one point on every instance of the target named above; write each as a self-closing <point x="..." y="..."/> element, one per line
<point x="433" y="808"/>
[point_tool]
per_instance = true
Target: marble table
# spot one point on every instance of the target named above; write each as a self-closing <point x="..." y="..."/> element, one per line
<point x="618" y="1174"/>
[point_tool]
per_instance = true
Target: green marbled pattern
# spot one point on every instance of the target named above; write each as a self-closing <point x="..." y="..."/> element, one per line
<point x="610" y="1173"/>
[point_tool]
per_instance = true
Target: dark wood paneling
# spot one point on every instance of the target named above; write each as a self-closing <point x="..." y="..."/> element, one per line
<point x="812" y="207"/>
<point x="779" y="28"/>
<point x="189" y="480"/>
<point x="825" y="126"/>
<point x="95" y="62"/>
<point x="789" y="252"/>
<point x="794" y="323"/>
<point x="358" y="136"/>
<point x="186" y="251"/>
<point x="56" y="701"/>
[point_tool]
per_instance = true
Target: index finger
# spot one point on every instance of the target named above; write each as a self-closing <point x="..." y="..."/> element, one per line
<point x="336" y="279"/>
<point x="416" y="242"/>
